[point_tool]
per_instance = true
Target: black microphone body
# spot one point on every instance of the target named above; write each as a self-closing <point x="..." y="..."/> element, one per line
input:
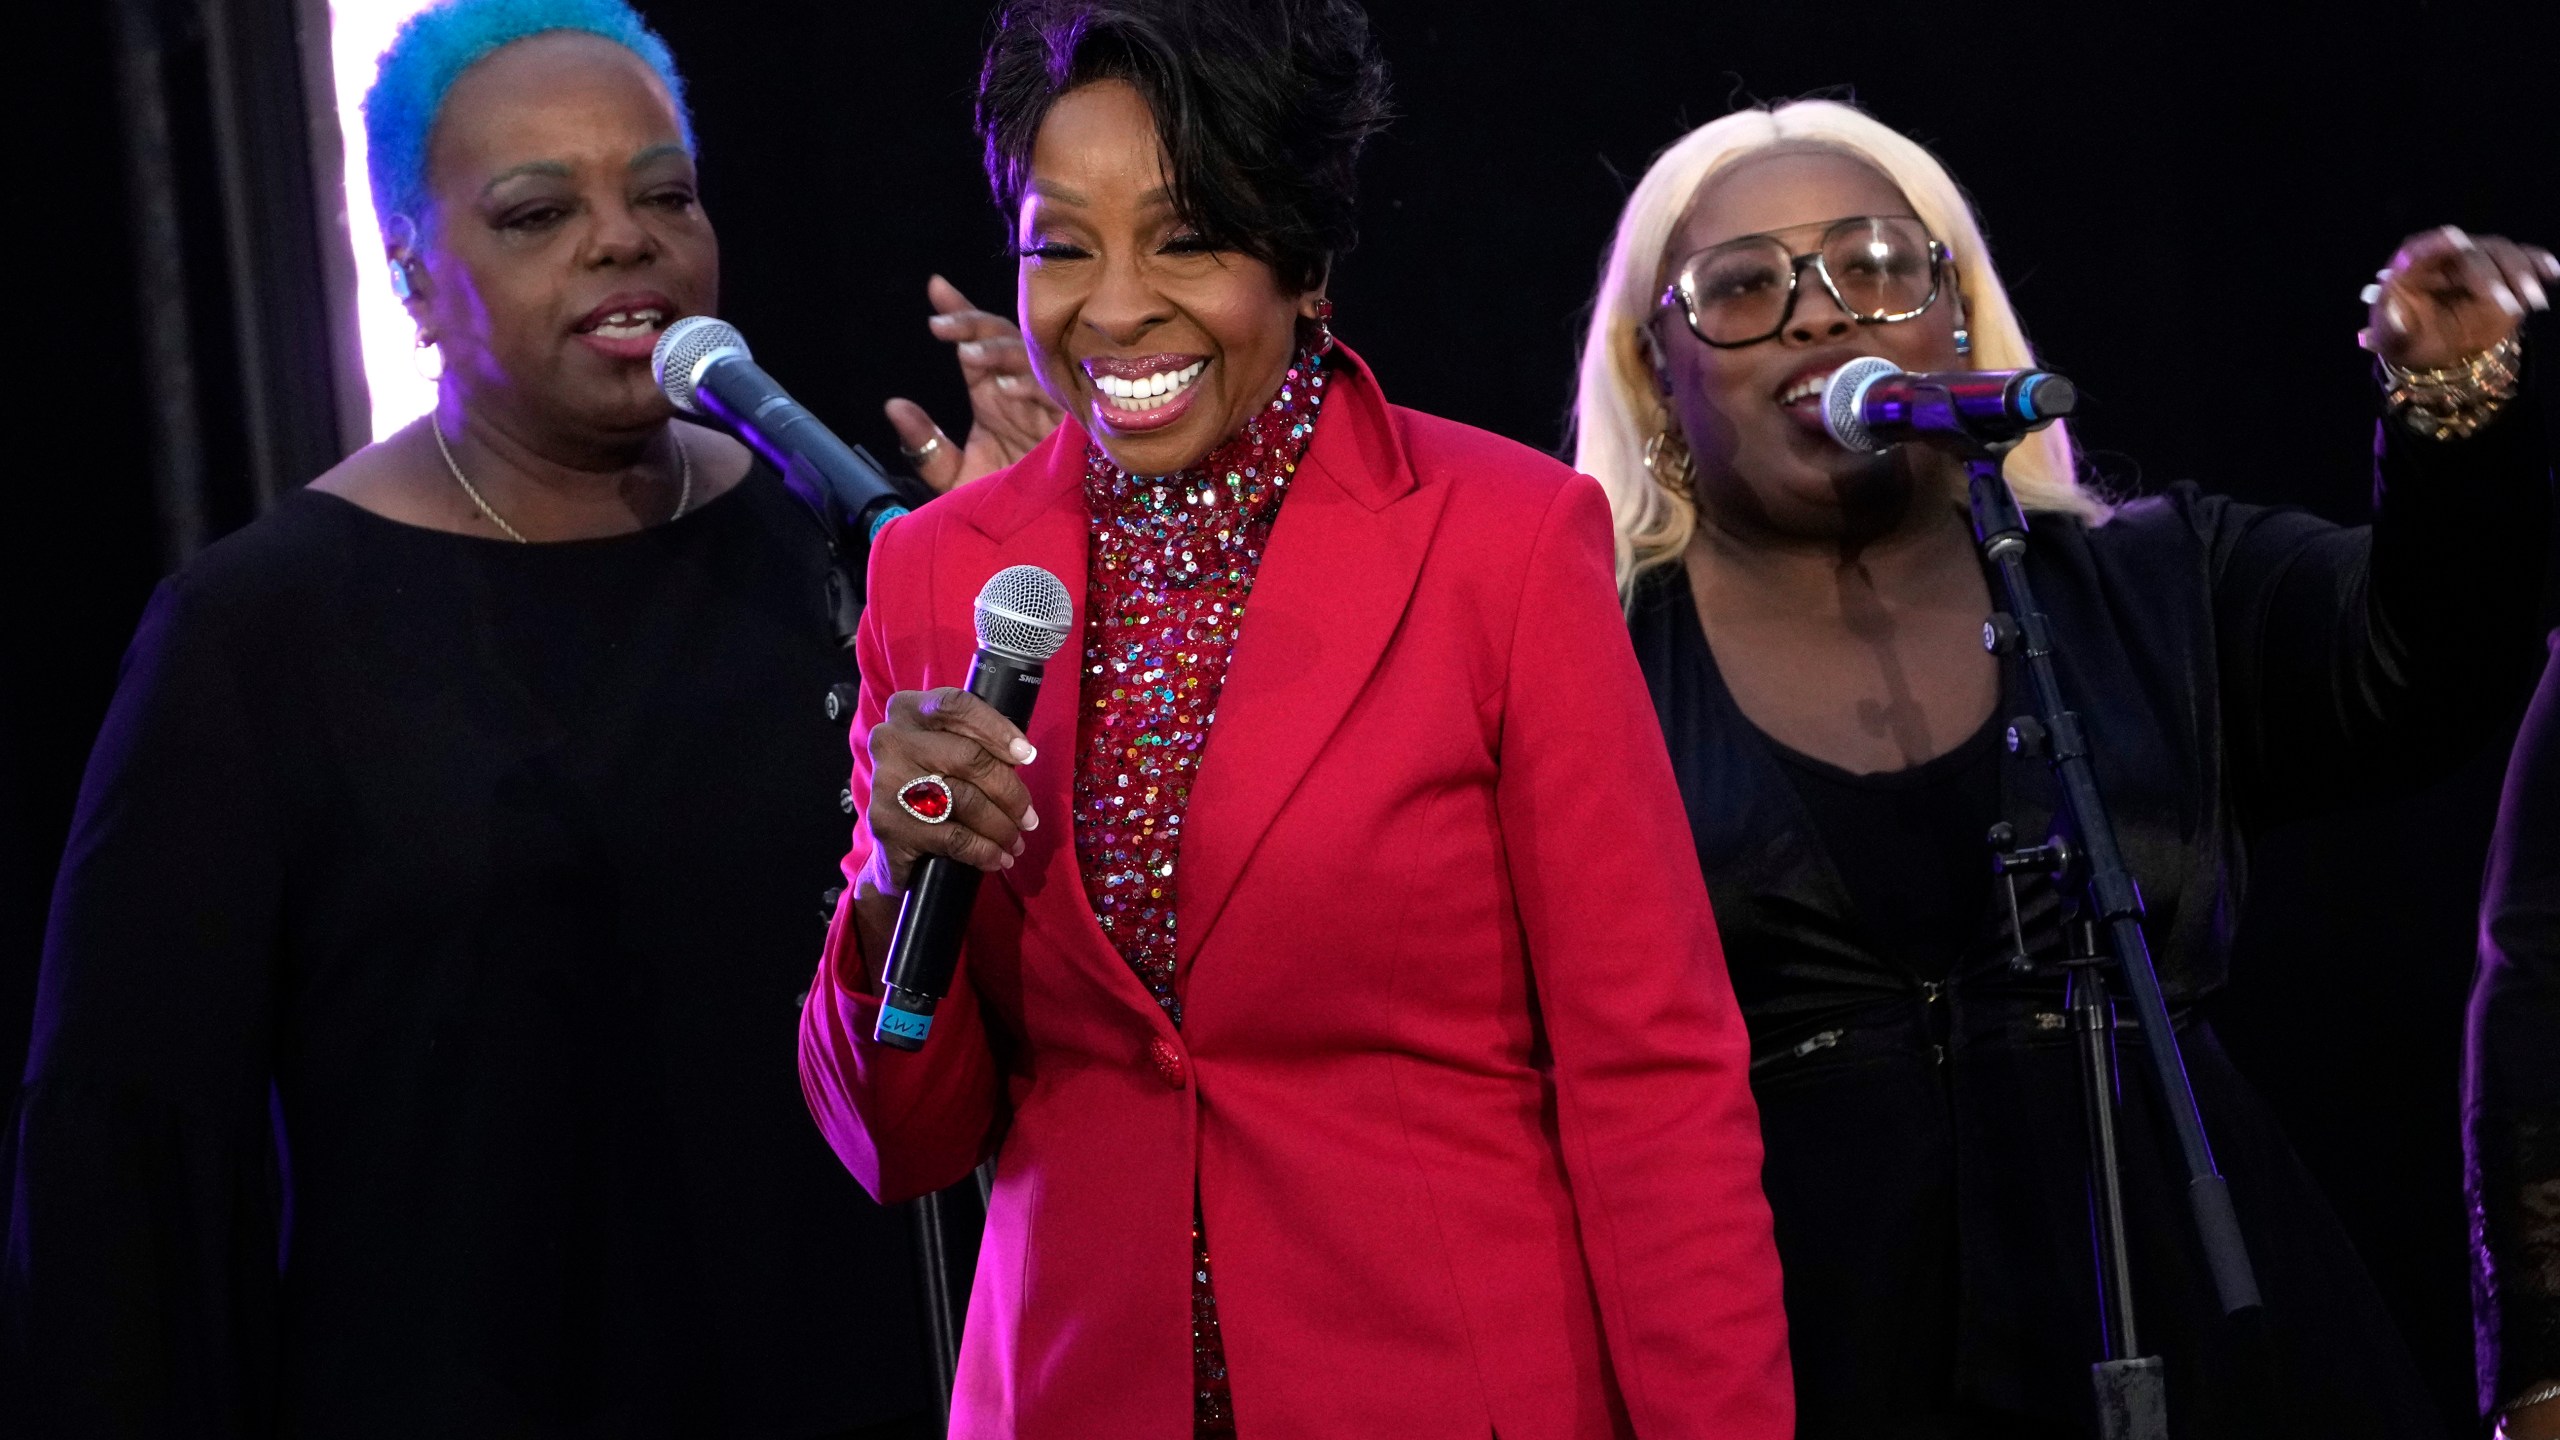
<point x="1873" y="404"/>
<point x="1022" y="617"/>
<point x="704" y="367"/>
<point x="738" y="391"/>
<point x="933" y="917"/>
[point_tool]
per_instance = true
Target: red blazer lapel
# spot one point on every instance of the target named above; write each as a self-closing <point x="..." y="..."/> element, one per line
<point x="1331" y="593"/>
<point x="1034" y="514"/>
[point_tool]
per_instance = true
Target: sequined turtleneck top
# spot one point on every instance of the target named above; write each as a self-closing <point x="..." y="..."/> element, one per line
<point x="1173" y="559"/>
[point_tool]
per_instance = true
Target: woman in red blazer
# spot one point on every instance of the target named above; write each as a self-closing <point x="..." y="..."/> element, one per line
<point x="1344" y="1015"/>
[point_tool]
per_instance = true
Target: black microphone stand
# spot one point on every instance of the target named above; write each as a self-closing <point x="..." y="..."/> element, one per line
<point x="940" y="1225"/>
<point x="2132" y="1397"/>
<point x="948" y="1226"/>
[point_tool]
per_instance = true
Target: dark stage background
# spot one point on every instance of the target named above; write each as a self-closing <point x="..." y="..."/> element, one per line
<point x="2184" y="201"/>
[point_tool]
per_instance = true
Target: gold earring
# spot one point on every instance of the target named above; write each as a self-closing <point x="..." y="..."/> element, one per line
<point x="1666" y="455"/>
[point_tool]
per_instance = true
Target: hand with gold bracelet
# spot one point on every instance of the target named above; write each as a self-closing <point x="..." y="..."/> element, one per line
<point x="2535" y="1417"/>
<point x="2445" y="322"/>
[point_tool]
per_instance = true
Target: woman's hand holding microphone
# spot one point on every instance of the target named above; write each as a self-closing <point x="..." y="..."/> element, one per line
<point x="951" y="736"/>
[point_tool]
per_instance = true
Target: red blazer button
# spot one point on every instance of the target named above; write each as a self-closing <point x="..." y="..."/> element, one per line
<point x="1168" y="1060"/>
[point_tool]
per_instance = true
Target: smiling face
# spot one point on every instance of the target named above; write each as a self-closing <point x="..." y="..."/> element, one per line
<point x="1158" y="344"/>
<point x="1753" y="415"/>
<point x="567" y="233"/>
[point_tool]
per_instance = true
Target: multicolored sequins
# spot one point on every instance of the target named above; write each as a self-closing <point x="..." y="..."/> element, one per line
<point x="1173" y="561"/>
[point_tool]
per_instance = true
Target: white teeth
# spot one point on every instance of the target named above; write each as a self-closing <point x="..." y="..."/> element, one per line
<point x="1804" y="389"/>
<point x="1148" y="392"/>
<point x="631" y="324"/>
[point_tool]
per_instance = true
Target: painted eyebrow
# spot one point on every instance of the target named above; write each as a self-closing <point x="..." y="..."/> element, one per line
<point x="1047" y="190"/>
<point x="559" y="170"/>
<point x="552" y="168"/>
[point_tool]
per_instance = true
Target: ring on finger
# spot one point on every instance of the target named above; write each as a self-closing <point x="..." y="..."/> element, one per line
<point x="928" y="798"/>
<point x="917" y="453"/>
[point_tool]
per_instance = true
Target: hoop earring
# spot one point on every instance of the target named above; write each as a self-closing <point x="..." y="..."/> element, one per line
<point x="1667" y="459"/>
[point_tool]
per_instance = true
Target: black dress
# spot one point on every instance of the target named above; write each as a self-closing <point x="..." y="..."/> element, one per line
<point x="1926" y="1166"/>
<point x="2511" y="1076"/>
<point x="415" y="1052"/>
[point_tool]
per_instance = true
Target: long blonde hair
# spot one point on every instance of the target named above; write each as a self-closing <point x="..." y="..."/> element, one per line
<point x="1617" y="407"/>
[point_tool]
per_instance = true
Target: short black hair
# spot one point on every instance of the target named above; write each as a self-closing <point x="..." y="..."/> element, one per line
<point x="1262" y="105"/>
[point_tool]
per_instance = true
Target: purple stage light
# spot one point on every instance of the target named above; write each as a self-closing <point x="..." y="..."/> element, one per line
<point x="396" y="371"/>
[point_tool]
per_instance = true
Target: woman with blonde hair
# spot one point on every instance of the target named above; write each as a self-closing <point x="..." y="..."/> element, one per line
<point x="1810" y="622"/>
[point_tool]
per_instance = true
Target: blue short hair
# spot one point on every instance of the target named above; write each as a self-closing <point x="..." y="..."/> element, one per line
<point x="434" y="47"/>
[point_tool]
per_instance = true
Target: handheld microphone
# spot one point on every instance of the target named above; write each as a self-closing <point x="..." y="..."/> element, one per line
<point x="1022" y="615"/>
<point x="703" y="366"/>
<point x="1874" y="404"/>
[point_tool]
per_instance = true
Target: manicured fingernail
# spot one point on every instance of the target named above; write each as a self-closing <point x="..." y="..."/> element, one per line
<point x="1023" y="754"/>
<point x="940" y="323"/>
<point x="1017" y="844"/>
<point x="973" y="350"/>
<point x="2454" y="234"/>
<point x="2396" y="315"/>
<point x="1030" y="818"/>
<point x="2370" y="293"/>
<point x="2533" y="292"/>
<point x="1004" y="862"/>
<point x="2508" y="302"/>
<point x="1005" y="382"/>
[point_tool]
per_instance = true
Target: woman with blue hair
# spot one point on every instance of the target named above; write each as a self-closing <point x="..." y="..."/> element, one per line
<point x="415" y="1044"/>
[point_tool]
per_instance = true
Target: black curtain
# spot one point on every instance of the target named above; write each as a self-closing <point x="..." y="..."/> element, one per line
<point x="2184" y="200"/>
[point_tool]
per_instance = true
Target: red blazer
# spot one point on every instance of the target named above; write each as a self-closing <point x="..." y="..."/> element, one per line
<point x="1461" y="1084"/>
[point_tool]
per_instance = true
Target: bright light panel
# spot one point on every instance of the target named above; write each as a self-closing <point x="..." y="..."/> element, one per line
<point x="395" y="370"/>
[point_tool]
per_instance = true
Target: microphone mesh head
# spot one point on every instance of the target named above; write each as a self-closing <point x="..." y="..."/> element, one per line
<point x="682" y="347"/>
<point x="1024" y="612"/>
<point x="1844" y="392"/>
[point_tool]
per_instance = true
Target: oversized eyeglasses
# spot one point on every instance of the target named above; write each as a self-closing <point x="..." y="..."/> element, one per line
<point x="1879" y="269"/>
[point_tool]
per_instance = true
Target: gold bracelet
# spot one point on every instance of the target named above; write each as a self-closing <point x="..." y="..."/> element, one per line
<point x="2453" y="401"/>
<point x="2525" y="1401"/>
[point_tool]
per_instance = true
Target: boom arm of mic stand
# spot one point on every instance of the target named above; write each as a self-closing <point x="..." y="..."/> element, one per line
<point x="849" y="536"/>
<point x="2001" y="531"/>
<point x="844" y="560"/>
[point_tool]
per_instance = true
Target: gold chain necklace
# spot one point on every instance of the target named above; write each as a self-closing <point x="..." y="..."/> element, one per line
<point x="684" y="492"/>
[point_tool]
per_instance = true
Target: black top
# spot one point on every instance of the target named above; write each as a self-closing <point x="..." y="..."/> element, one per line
<point x="1926" y="1167"/>
<point x="2511" y="1085"/>
<point x="1910" y="845"/>
<point x="415" y="1052"/>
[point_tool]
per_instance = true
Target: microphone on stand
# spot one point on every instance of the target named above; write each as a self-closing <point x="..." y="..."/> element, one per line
<point x="1023" y="615"/>
<point x="1874" y="404"/>
<point x="703" y="366"/>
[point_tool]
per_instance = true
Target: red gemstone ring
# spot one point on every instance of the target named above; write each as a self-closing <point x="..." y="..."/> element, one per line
<point x="928" y="798"/>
